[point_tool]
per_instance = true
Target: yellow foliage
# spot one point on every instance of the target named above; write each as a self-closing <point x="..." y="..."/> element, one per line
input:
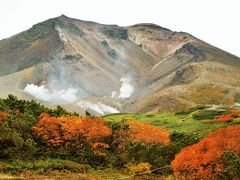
<point x="138" y="168"/>
<point x="236" y="120"/>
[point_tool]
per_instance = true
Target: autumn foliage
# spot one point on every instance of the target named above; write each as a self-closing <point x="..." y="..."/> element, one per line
<point x="211" y="116"/>
<point x="76" y="133"/>
<point x="146" y="133"/>
<point x="72" y="131"/>
<point x="233" y="114"/>
<point x="139" y="168"/>
<point x="204" y="160"/>
<point x="29" y="130"/>
<point x="3" y="117"/>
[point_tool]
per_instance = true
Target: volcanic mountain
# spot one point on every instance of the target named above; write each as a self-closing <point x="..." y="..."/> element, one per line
<point x="142" y="68"/>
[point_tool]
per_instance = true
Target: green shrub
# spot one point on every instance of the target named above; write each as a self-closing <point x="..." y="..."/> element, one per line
<point x="30" y="108"/>
<point x="38" y="31"/>
<point x="232" y="165"/>
<point x="185" y="139"/>
<point x="112" y="53"/>
<point x="16" y="137"/>
<point x="186" y="112"/>
<point x="72" y="28"/>
<point x="208" y="114"/>
<point x="160" y="156"/>
<point x="89" y="157"/>
<point x="137" y="153"/>
<point x="115" y="32"/>
<point x="43" y="166"/>
<point x="105" y="44"/>
<point x="150" y="115"/>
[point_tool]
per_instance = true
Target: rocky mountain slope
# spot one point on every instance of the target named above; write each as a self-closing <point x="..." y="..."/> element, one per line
<point x="108" y="69"/>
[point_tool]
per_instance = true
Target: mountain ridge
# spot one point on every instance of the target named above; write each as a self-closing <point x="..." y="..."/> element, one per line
<point x="97" y="59"/>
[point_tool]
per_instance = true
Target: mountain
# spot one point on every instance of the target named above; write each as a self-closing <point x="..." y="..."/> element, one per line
<point x="108" y="69"/>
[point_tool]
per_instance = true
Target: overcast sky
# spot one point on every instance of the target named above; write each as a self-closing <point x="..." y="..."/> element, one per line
<point x="214" y="21"/>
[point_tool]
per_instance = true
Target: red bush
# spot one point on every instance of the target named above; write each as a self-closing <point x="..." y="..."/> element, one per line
<point x="204" y="159"/>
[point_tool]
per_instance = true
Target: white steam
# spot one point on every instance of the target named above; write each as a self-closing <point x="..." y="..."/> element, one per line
<point x="126" y="89"/>
<point x="114" y="94"/>
<point x="54" y="96"/>
<point x="97" y="107"/>
<point x="236" y="105"/>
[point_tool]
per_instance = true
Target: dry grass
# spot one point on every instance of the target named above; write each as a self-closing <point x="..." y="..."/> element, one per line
<point x="85" y="176"/>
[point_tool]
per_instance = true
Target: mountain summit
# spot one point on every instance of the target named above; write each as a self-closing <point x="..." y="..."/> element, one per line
<point x="108" y="69"/>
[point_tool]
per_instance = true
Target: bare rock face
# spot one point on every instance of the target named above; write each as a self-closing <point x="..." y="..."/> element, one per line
<point x="188" y="48"/>
<point x="140" y="68"/>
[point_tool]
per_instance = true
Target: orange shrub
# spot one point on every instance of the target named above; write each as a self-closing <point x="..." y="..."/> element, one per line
<point x="234" y="113"/>
<point x="71" y="130"/>
<point x="146" y="133"/>
<point x="3" y="117"/>
<point x="204" y="159"/>
<point x="100" y="145"/>
<point x="224" y="118"/>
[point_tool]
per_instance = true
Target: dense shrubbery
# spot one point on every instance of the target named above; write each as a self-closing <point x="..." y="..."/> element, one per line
<point x="70" y="27"/>
<point x="43" y="166"/>
<point x="16" y="120"/>
<point x="16" y="137"/>
<point x="14" y="106"/>
<point x="231" y="164"/>
<point x="33" y="137"/>
<point x="208" y="159"/>
<point x="188" y="111"/>
<point x="92" y="141"/>
<point x="159" y="155"/>
<point x="115" y="32"/>
<point x="208" y="114"/>
<point x="29" y="130"/>
<point x="211" y="116"/>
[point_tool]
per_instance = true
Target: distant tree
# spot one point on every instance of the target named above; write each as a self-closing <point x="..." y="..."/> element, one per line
<point x="59" y="111"/>
<point x="88" y="113"/>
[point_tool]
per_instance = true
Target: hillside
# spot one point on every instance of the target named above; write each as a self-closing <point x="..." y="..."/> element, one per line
<point x="107" y="68"/>
<point x="37" y="142"/>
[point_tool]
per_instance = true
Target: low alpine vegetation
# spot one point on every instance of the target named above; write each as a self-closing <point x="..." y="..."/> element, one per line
<point x="39" y="139"/>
